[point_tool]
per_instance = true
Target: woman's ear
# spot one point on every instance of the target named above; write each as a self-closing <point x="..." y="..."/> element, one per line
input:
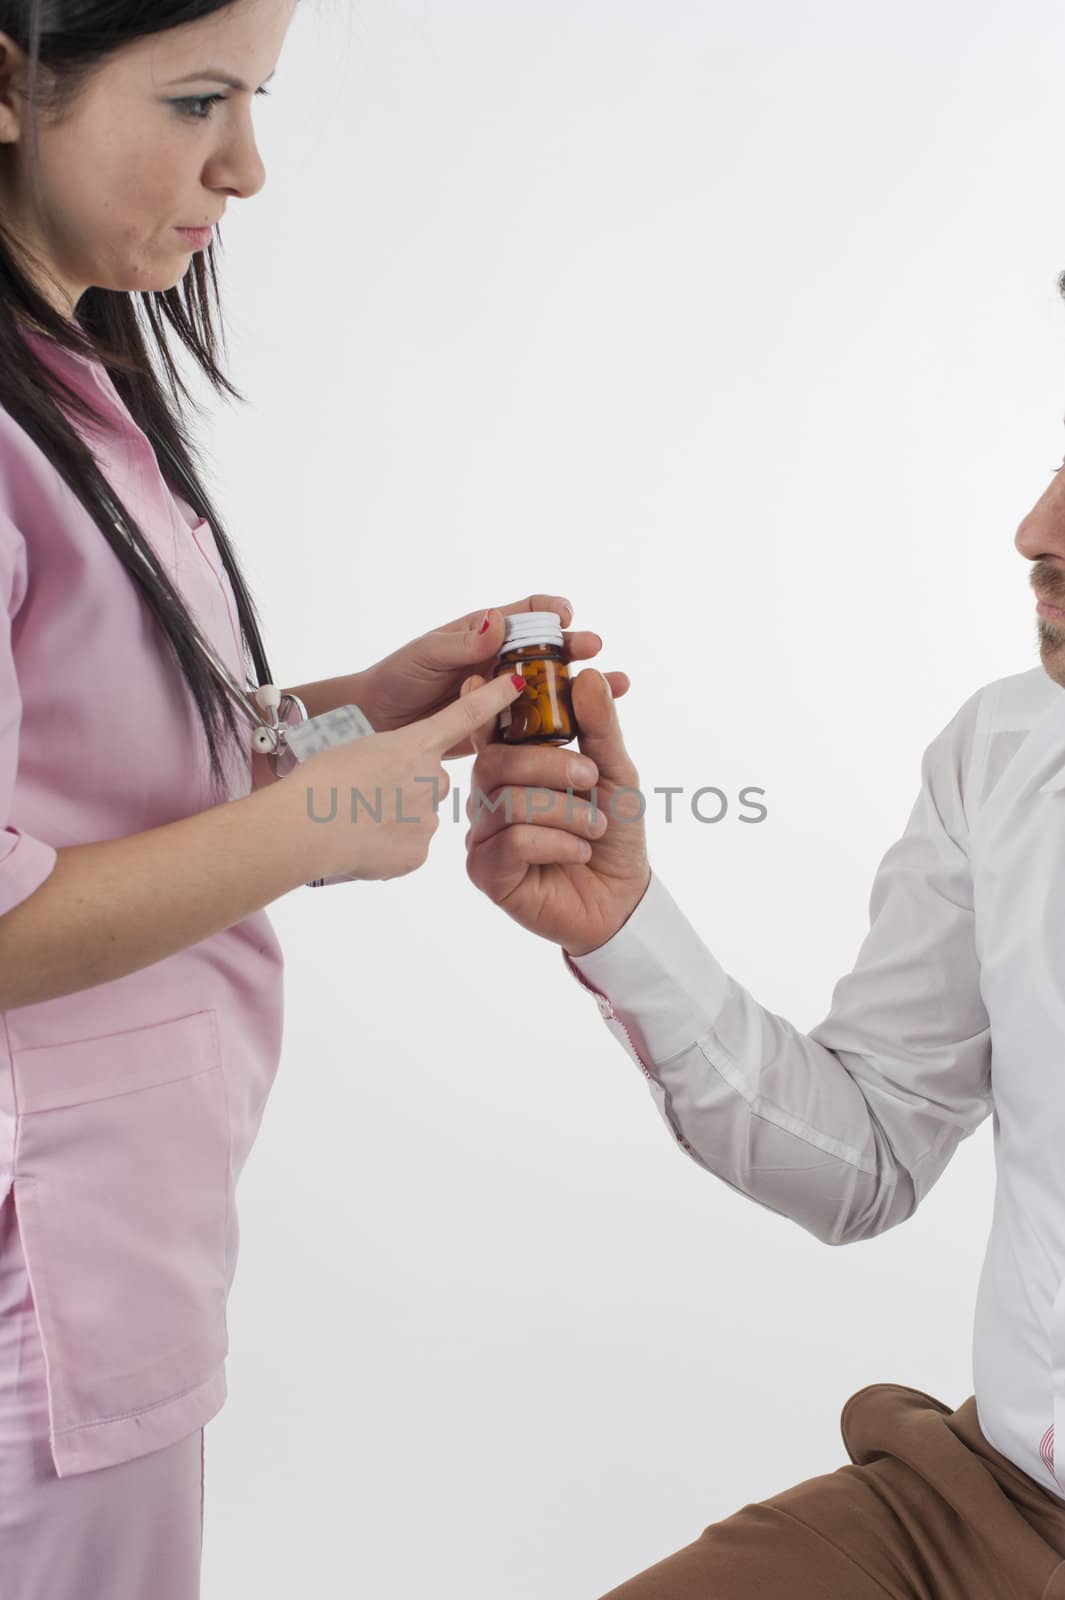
<point x="12" y="89"/>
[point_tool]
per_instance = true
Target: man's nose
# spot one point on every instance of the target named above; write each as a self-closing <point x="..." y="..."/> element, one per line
<point x="1027" y="538"/>
<point x="1042" y="532"/>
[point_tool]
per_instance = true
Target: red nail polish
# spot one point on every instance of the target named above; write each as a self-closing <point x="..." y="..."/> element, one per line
<point x="484" y="625"/>
<point x="517" y="680"/>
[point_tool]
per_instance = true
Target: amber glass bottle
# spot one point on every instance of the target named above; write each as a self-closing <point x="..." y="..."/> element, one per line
<point x="543" y="713"/>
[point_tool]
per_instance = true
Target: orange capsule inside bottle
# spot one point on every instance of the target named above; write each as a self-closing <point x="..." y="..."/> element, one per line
<point x="543" y="712"/>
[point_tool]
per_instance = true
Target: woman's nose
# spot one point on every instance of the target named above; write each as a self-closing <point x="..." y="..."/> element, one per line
<point x="238" y="168"/>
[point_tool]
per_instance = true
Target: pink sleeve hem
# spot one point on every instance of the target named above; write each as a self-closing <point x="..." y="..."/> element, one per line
<point x="23" y="868"/>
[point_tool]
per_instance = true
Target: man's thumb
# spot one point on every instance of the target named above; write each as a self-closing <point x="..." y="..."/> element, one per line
<point x="599" y="731"/>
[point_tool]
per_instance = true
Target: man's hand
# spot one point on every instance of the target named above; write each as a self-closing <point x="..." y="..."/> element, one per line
<point x="545" y="865"/>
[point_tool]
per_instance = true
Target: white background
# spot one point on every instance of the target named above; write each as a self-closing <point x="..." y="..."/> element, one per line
<point x="738" y="326"/>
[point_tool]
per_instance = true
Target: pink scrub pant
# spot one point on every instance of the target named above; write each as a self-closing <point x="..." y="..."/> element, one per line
<point x="127" y="1532"/>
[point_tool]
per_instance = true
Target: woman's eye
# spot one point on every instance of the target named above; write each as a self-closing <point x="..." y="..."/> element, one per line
<point x="199" y="107"/>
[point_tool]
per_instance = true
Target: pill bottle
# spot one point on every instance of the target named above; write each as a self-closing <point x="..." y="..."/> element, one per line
<point x="543" y="712"/>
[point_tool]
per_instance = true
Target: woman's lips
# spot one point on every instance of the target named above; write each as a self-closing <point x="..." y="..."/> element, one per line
<point x="199" y="238"/>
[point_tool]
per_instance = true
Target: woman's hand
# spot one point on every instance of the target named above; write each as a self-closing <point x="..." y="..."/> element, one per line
<point x="428" y="673"/>
<point x="547" y="864"/>
<point x="368" y="808"/>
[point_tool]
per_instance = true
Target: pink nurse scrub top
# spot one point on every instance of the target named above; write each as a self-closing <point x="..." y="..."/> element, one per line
<point x="127" y="1110"/>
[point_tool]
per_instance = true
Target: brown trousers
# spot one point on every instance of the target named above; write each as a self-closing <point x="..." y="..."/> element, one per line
<point x="928" y="1510"/>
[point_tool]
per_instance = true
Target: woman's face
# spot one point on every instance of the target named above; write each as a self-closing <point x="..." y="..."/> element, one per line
<point x="138" y="155"/>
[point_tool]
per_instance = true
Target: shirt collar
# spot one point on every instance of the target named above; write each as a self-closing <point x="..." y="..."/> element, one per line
<point x="86" y="374"/>
<point x="48" y="346"/>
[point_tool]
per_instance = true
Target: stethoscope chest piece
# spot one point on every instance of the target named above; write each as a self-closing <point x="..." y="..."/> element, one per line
<point x="265" y="739"/>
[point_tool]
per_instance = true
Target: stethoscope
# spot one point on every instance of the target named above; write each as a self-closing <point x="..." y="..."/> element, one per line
<point x="265" y="708"/>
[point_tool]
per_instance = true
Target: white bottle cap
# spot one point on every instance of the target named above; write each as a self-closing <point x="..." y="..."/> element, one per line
<point x="533" y="627"/>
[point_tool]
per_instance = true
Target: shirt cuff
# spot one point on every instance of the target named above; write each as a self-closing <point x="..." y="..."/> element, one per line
<point x="657" y="977"/>
<point x="25" y="862"/>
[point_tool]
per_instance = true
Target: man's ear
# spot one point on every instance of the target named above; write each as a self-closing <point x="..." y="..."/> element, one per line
<point x="13" y="66"/>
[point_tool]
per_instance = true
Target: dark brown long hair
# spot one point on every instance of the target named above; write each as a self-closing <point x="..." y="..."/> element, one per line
<point x="70" y="39"/>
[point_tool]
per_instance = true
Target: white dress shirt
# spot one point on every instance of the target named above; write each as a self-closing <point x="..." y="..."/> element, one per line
<point x="955" y="1009"/>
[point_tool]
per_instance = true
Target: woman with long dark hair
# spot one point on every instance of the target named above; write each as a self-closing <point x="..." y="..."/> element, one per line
<point x="143" y="833"/>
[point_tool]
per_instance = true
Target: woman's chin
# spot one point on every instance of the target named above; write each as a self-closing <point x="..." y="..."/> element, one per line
<point x="149" y="283"/>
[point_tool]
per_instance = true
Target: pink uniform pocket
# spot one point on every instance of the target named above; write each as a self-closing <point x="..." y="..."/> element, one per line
<point x="122" y="1185"/>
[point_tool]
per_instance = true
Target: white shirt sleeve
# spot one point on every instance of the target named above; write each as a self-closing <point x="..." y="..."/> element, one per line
<point x="843" y="1129"/>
